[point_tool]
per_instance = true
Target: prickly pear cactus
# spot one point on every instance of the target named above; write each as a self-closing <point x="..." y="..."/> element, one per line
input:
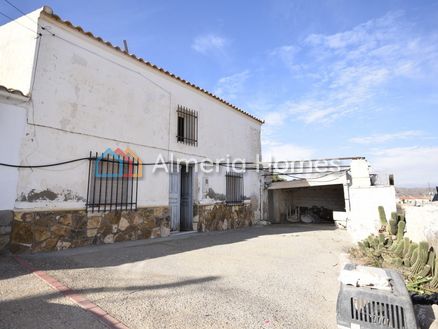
<point x="423" y="252"/>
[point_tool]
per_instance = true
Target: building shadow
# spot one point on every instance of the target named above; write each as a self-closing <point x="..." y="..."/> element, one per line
<point x="134" y="251"/>
<point x="45" y="311"/>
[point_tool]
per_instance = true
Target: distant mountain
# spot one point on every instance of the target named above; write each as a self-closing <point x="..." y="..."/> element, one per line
<point x="415" y="191"/>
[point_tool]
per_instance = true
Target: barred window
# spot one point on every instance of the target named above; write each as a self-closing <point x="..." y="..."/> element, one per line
<point x="187" y="131"/>
<point x="112" y="182"/>
<point x="234" y="187"/>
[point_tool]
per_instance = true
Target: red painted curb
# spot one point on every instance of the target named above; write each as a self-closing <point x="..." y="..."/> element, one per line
<point x="110" y="321"/>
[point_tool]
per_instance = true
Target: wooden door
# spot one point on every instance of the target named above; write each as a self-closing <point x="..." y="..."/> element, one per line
<point x="175" y="197"/>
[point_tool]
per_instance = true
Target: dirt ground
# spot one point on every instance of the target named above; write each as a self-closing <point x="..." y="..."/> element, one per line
<point x="278" y="276"/>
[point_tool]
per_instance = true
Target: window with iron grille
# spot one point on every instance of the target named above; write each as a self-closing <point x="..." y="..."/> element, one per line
<point x="187" y="131"/>
<point x="112" y="183"/>
<point x="234" y="187"/>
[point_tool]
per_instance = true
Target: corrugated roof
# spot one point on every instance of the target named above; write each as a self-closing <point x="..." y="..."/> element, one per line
<point x="12" y="91"/>
<point x="49" y="12"/>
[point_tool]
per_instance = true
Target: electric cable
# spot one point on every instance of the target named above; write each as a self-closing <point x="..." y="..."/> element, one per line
<point x="14" y="20"/>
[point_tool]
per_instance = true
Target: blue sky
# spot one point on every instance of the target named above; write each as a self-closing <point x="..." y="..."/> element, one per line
<point x="331" y="78"/>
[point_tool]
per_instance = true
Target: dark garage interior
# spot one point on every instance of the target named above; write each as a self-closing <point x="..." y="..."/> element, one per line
<point x="308" y="204"/>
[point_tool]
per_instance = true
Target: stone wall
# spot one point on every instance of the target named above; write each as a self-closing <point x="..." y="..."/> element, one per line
<point x="5" y="228"/>
<point x="220" y="216"/>
<point x="57" y="230"/>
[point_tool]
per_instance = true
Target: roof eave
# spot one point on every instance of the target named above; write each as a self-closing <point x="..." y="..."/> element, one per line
<point x="13" y="94"/>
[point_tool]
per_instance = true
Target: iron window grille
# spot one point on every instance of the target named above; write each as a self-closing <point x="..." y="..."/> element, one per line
<point x="112" y="183"/>
<point x="187" y="131"/>
<point x="234" y="188"/>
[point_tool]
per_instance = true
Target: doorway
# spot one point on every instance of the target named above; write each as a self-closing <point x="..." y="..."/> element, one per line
<point x="181" y="198"/>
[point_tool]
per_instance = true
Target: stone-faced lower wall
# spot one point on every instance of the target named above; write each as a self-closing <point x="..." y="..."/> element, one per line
<point x="56" y="230"/>
<point x="220" y="216"/>
<point x="5" y="228"/>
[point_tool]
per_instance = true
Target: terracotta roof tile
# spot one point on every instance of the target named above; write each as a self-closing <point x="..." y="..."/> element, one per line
<point x="49" y="12"/>
<point x="12" y="91"/>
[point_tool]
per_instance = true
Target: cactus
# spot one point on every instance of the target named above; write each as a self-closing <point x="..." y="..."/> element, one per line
<point x="407" y="257"/>
<point x="394" y="245"/>
<point x="434" y="283"/>
<point x="401" y="218"/>
<point x="377" y="253"/>
<point x="397" y="262"/>
<point x="389" y="242"/>
<point x="425" y="271"/>
<point x="423" y="251"/>
<point x="414" y="256"/>
<point x="431" y="261"/>
<point x="406" y="245"/>
<point x="382" y="216"/>
<point x="400" y="230"/>
<point x="392" y="227"/>
<point x="365" y="243"/>
<point x="398" y="251"/>
<point x="381" y="238"/>
<point x="373" y="241"/>
<point x="362" y="247"/>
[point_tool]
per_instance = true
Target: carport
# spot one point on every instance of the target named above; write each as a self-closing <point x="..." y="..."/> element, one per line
<point x="308" y="200"/>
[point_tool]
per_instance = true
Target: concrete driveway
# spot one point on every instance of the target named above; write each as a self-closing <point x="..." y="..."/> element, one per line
<point x="261" y="277"/>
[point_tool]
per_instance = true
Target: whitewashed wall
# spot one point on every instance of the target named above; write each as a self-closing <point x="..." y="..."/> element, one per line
<point x="87" y="96"/>
<point x="12" y="125"/>
<point x="422" y="223"/>
<point x="18" y="40"/>
<point x="364" y="215"/>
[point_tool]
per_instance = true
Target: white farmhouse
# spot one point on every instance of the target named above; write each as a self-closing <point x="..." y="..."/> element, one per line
<point x="68" y="93"/>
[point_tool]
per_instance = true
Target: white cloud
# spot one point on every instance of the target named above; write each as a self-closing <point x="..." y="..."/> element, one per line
<point x="350" y="69"/>
<point x="273" y="151"/>
<point x="231" y="86"/>
<point x="412" y="166"/>
<point x="384" y="138"/>
<point x="287" y="55"/>
<point x="209" y="43"/>
<point x="275" y="118"/>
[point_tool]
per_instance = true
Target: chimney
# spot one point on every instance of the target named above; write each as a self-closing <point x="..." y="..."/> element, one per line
<point x="125" y="44"/>
<point x="391" y="180"/>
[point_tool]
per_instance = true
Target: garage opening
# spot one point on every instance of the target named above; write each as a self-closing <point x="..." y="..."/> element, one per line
<point x="307" y="204"/>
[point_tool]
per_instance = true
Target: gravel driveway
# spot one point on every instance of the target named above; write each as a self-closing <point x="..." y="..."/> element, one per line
<point x="261" y="277"/>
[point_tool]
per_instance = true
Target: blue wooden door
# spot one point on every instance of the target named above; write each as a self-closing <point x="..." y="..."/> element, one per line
<point x="174" y="197"/>
<point x="186" y="198"/>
